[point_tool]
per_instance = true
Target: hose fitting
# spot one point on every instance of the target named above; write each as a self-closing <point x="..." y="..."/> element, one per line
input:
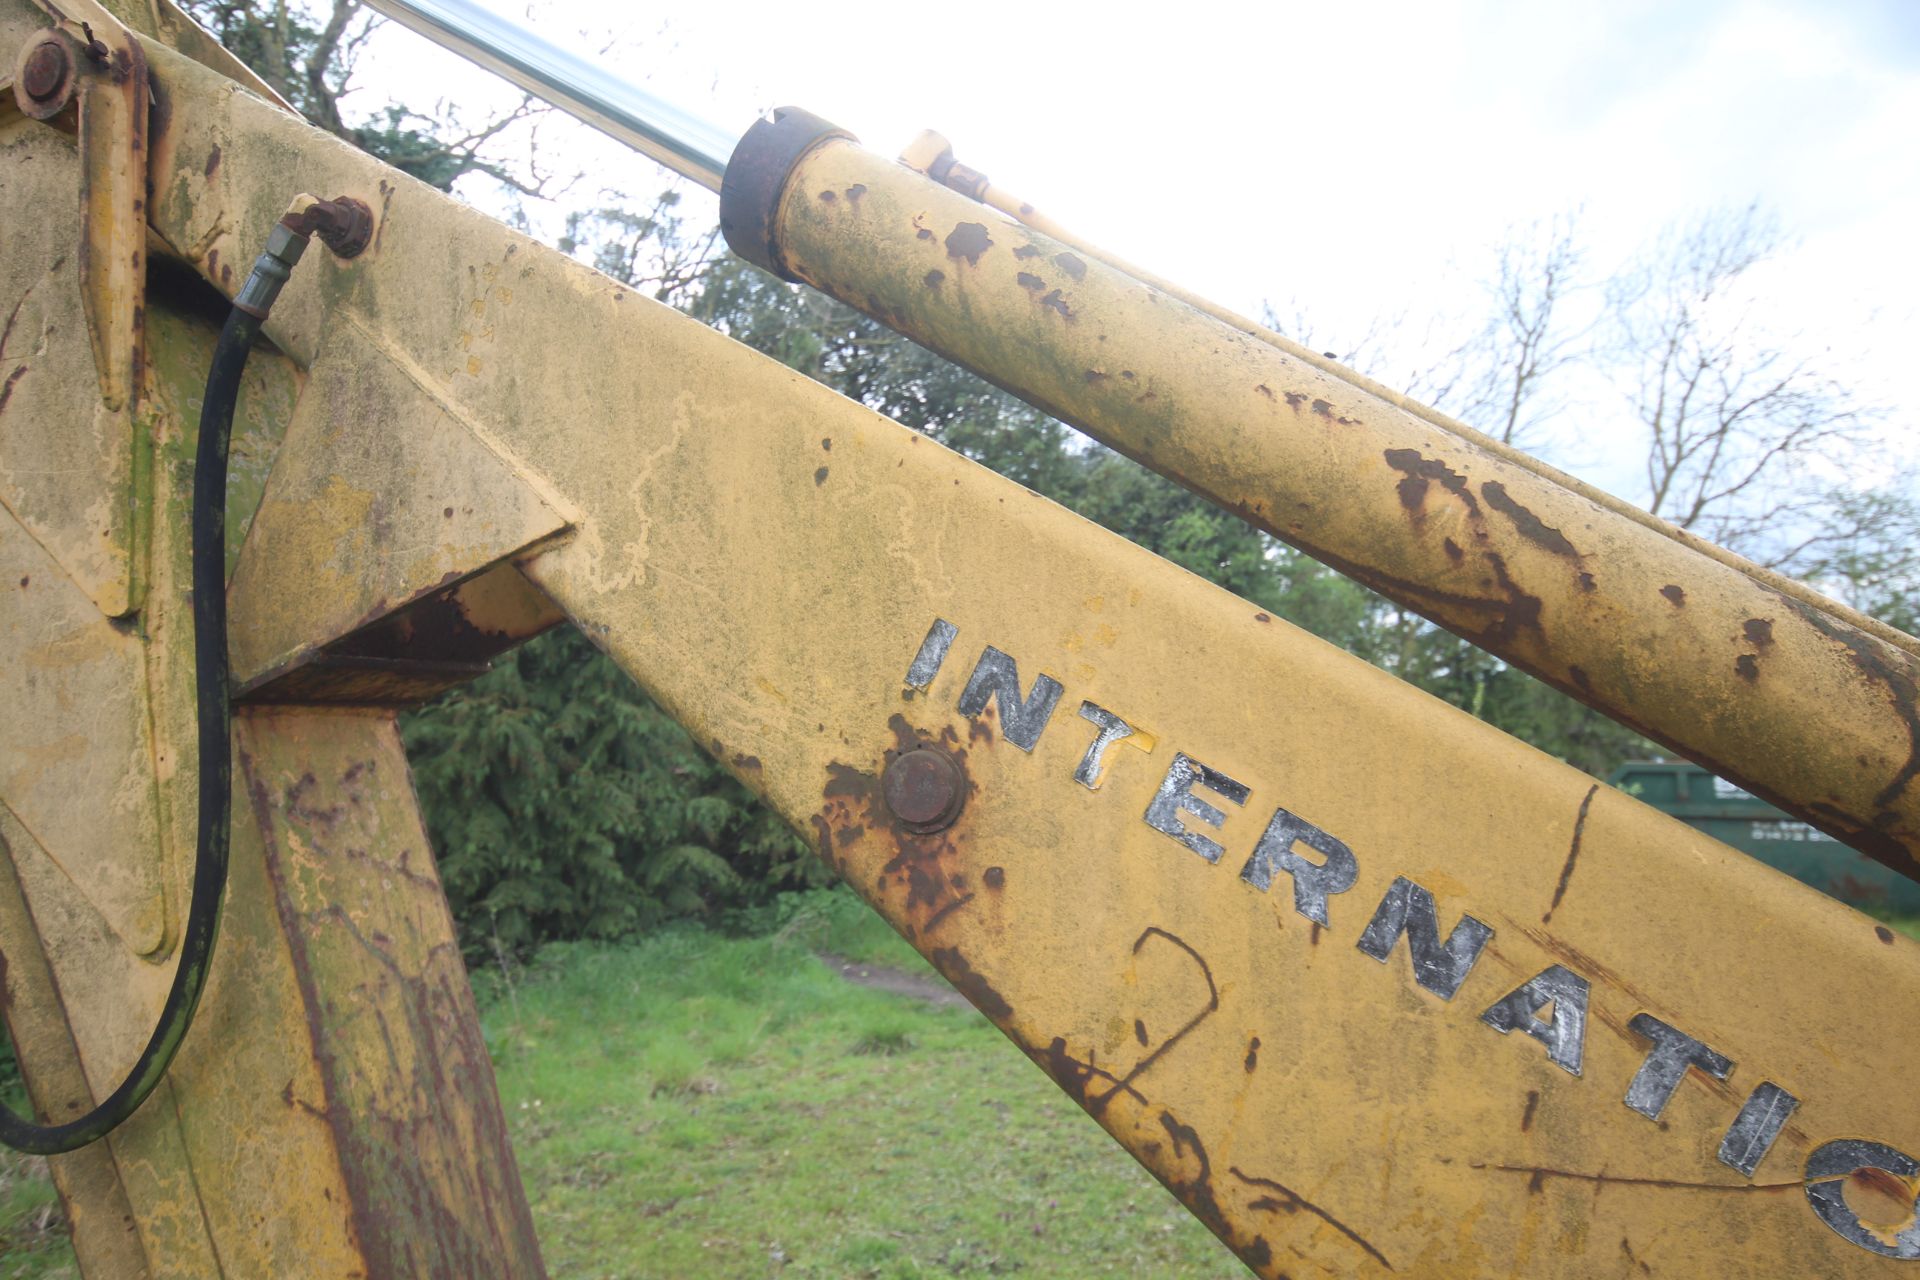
<point x="344" y="225"/>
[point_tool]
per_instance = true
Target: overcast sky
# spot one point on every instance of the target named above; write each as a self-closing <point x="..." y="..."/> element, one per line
<point x="1357" y="158"/>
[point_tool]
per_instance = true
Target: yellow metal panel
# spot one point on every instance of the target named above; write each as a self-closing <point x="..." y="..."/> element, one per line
<point x="66" y="456"/>
<point x="346" y="535"/>
<point x="404" y="1086"/>
<point x="767" y="558"/>
<point x="76" y="724"/>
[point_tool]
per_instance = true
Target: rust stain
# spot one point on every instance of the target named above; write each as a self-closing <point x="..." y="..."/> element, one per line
<point x="1286" y="1200"/>
<point x="1531" y="527"/>
<point x="6" y="388"/>
<point x="1195" y="1192"/>
<point x="968" y="241"/>
<point x="853" y="806"/>
<point x="1420" y="472"/>
<point x="1074" y="1076"/>
<point x="6" y="331"/>
<point x="823" y="841"/>
<point x="1075" y="269"/>
<point x="934" y="919"/>
<point x="954" y="968"/>
<point x="1573" y="854"/>
<point x="1900" y="686"/>
<point x="1538" y="1174"/>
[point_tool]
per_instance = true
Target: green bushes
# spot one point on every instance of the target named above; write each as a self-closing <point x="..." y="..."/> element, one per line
<point x="563" y="803"/>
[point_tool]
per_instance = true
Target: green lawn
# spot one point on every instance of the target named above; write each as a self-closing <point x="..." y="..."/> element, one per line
<point x="33" y="1234"/>
<point x="697" y="1106"/>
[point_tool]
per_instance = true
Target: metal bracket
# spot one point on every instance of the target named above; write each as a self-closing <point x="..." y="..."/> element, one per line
<point x="90" y="60"/>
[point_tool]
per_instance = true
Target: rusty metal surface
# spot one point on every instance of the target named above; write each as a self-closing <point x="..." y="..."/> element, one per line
<point x="1683" y="647"/>
<point x="405" y="1086"/>
<point x="419" y="651"/>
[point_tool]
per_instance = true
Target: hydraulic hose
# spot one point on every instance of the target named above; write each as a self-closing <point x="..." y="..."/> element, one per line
<point x="340" y="224"/>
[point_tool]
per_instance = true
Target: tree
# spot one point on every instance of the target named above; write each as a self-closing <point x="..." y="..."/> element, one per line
<point x="1731" y="417"/>
<point x="563" y="803"/>
<point x="309" y="54"/>
<point x="1741" y="436"/>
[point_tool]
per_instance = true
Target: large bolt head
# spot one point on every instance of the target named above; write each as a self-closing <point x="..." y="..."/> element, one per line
<point x="924" y="789"/>
<point x="45" y="71"/>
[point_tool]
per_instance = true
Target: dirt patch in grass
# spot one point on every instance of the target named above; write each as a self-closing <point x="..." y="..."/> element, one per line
<point x="926" y="986"/>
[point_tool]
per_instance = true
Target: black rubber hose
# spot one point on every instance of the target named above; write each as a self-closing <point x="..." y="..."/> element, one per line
<point x="215" y="717"/>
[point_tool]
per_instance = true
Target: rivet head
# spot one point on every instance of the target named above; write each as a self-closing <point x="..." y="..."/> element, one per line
<point x="45" y="72"/>
<point x="924" y="789"/>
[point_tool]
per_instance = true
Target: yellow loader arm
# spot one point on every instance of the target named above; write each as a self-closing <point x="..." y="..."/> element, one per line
<point x="1370" y="986"/>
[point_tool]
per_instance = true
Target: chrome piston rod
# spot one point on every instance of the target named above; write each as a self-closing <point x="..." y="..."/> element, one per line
<point x="576" y="84"/>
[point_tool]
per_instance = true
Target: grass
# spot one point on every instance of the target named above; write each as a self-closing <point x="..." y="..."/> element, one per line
<point x="33" y="1230"/>
<point x="698" y="1106"/>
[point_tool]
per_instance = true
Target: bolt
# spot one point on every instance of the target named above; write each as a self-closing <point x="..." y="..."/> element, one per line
<point x="924" y="790"/>
<point x="45" y="72"/>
